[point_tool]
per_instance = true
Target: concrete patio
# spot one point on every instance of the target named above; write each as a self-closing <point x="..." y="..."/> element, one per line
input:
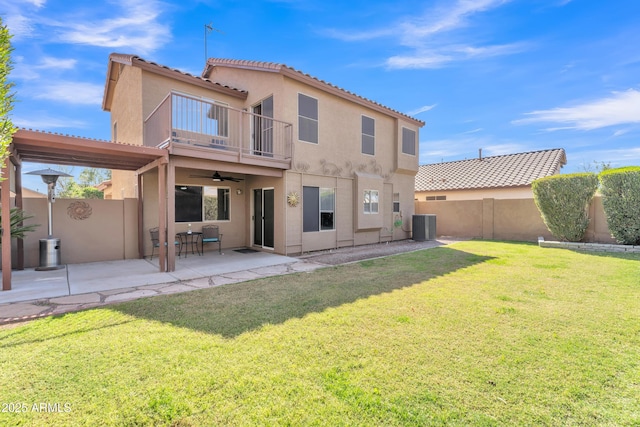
<point x="78" y="286"/>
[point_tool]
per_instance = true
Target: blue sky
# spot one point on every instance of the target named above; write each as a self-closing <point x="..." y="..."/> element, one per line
<point x="502" y="75"/>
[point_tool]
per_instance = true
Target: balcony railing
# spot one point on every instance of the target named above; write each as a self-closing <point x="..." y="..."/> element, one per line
<point x="190" y="120"/>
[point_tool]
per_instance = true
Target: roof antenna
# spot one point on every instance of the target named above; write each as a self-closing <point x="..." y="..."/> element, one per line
<point x="207" y="29"/>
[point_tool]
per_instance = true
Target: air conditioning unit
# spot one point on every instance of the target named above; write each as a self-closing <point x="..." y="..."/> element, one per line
<point x="424" y="227"/>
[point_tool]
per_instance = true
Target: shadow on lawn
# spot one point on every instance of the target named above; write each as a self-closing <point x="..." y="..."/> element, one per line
<point x="231" y="310"/>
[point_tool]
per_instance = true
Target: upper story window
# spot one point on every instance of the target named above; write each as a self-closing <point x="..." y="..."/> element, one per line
<point x="368" y="135"/>
<point x="408" y="141"/>
<point x="307" y="119"/>
<point x="371" y="201"/>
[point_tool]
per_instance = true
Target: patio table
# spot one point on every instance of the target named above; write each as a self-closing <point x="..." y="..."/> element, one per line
<point x="192" y="237"/>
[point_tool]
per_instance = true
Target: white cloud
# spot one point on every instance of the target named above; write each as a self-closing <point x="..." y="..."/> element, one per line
<point x="36" y="3"/>
<point x="17" y="16"/>
<point x="422" y="110"/>
<point x="419" y="61"/>
<point x="46" y="122"/>
<point x="620" y="132"/>
<point x="429" y="36"/>
<point x="357" y="36"/>
<point x="446" y="18"/>
<point x="138" y="27"/>
<point x="618" y="109"/>
<point x="57" y="63"/>
<point x="71" y="93"/>
<point x="472" y="131"/>
<point x="440" y="57"/>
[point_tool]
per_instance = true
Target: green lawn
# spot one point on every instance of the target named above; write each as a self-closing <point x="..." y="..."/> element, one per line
<point x="477" y="333"/>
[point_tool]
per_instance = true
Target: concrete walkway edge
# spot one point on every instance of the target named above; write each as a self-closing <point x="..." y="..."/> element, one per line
<point x="29" y="310"/>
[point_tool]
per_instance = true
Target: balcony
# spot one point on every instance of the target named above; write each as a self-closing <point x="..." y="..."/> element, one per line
<point x="196" y="127"/>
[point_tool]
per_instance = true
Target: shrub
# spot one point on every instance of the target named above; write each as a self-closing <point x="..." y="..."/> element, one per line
<point x="621" y="201"/>
<point x="18" y="229"/>
<point x="563" y="200"/>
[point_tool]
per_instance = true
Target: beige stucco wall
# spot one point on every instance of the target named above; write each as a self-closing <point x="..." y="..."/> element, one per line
<point x="478" y="194"/>
<point x="236" y="232"/>
<point x="504" y="219"/>
<point x="109" y="232"/>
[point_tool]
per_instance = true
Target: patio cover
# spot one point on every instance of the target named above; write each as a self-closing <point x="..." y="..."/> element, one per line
<point x="44" y="147"/>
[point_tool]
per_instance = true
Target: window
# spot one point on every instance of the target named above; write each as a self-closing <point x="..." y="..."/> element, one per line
<point x="307" y="118"/>
<point x="216" y="204"/>
<point x="368" y="135"/>
<point x="396" y="202"/>
<point x="408" y="141"/>
<point x="197" y="204"/>
<point x="436" y="197"/>
<point x="327" y="208"/>
<point x="318" y="208"/>
<point x="371" y="201"/>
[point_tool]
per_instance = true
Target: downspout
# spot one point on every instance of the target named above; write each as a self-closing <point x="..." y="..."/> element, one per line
<point x="335" y="210"/>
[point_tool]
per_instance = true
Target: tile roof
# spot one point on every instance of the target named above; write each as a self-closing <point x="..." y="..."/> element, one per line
<point x="510" y="170"/>
<point x="304" y="77"/>
<point x="174" y="73"/>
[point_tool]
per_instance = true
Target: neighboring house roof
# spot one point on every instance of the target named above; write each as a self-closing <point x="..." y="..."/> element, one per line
<point x="510" y="170"/>
<point x="104" y="185"/>
<point x="133" y="60"/>
<point x="29" y="193"/>
<point x="307" y="79"/>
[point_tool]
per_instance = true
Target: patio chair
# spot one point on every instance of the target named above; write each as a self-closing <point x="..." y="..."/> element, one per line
<point x="155" y="240"/>
<point x="211" y="234"/>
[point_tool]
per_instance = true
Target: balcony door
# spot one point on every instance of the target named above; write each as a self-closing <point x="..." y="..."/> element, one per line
<point x="263" y="217"/>
<point x="262" y="140"/>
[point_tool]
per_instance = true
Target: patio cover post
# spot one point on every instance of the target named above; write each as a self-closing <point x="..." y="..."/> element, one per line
<point x="19" y="204"/>
<point x="171" y="214"/>
<point x="140" y="217"/>
<point x="162" y="216"/>
<point x="5" y="201"/>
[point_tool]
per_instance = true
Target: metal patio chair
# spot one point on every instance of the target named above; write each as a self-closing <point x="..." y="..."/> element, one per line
<point x="155" y="240"/>
<point x="211" y="234"/>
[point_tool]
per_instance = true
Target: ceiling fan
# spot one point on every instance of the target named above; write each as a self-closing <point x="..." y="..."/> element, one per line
<point x="218" y="178"/>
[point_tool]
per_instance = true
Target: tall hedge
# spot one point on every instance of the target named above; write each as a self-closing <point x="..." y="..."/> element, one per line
<point x="620" y="190"/>
<point x="563" y="202"/>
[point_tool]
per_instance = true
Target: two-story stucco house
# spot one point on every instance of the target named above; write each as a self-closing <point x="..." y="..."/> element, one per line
<point x="279" y="160"/>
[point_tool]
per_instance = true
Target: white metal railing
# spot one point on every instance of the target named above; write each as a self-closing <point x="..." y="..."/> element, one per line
<point x="186" y="119"/>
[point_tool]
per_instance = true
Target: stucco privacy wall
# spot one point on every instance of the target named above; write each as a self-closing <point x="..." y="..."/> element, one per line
<point x="90" y="230"/>
<point x="504" y="219"/>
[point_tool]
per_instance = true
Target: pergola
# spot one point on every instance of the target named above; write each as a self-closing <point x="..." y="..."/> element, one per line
<point x="44" y="147"/>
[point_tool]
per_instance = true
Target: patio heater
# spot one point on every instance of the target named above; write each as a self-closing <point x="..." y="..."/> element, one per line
<point x="49" y="247"/>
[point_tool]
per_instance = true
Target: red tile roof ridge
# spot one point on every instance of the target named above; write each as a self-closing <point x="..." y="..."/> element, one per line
<point x="279" y="67"/>
<point x="129" y="58"/>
